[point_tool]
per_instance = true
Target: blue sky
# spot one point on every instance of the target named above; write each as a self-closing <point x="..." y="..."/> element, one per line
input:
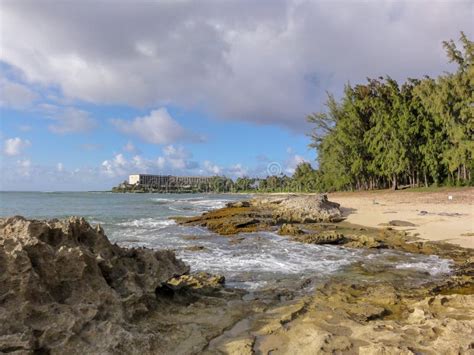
<point x="192" y="87"/>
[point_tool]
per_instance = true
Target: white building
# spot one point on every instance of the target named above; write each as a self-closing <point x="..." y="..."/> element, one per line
<point x="160" y="181"/>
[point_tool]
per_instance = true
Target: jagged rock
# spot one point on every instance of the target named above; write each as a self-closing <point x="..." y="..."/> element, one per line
<point x="303" y="208"/>
<point x="64" y="288"/>
<point x="198" y="280"/>
<point x="262" y="213"/>
<point x="379" y="349"/>
<point x="238" y="204"/>
<point x="363" y="241"/>
<point x="329" y="237"/>
<point x="290" y="229"/>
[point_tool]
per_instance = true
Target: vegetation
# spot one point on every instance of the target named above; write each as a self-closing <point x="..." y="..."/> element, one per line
<point x="383" y="134"/>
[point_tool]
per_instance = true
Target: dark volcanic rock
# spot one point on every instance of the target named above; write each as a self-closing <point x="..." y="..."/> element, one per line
<point x="64" y="288"/>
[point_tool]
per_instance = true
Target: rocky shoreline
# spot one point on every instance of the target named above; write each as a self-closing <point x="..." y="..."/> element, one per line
<point x="64" y="288"/>
<point x="365" y="312"/>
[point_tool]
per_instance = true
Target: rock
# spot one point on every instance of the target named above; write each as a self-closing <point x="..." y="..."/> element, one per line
<point x="261" y="214"/>
<point x="64" y="288"/>
<point x="198" y="280"/>
<point x="195" y="248"/>
<point x="290" y="229"/>
<point x="238" y="204"/>
<point x="330" y="237"/>
<point x="397" y="223"/>
<point x="379" y="349"/>
<point x="364" y="241"/>
<point x="306" y="209"/>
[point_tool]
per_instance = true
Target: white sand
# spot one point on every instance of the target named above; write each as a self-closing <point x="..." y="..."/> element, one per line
<point x="448" y="220"/>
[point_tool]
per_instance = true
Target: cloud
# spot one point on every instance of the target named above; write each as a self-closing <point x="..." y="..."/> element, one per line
<point x="177" y="158"/>
<point x="16" y="95"/>
<point x="24" y="167"/>
<point x="15" y="146"/>
<point x="212" y="168"/>
<point x="292" y="162"/>
<point x="129" y="147"/>
<point x="156" y="128"/>
<point x="271" y="66"/>
<point x="72" y="120"/>
<point x="237" y="170"/>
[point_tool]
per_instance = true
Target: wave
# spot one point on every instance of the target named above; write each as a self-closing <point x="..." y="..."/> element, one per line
<point x="162" y="201"/>
<point x="433" y="267"/>
<point x="212" y="204"/>
<point x="148" y="223"/>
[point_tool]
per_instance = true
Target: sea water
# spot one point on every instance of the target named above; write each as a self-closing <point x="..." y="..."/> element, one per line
<point x="253" y="261"/>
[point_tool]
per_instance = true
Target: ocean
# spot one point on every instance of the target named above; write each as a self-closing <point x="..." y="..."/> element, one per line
<point x="257" y="261"/>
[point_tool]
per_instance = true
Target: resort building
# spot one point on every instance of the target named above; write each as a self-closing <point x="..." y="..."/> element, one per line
<point x="168" y="182"/>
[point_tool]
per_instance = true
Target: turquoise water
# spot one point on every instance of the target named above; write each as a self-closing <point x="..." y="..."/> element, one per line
<point x="259" y="260"/>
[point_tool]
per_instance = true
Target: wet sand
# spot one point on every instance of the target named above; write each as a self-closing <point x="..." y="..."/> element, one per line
<point x="435" y="215"/>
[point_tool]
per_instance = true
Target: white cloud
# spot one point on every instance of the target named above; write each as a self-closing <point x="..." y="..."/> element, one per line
<point x="237" y="170"/>
<point x="118" y="166"/>
<point x="212" y="168"/>
<point x="129" y="147"/>
<point x="24" y="167"/>
<point x="161" y="162"/>
<point x="60" y="167"/>
<point x="292" y="162"/>
<point x="72" y="120"/>
<point x="156" y="128"/>
<point x="15" y="146"/>
<point x="272" y="65"/>
<point x="16" y="95"/>
<point x="178" y="158"/>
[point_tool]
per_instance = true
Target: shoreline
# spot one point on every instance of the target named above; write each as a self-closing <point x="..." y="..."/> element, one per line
<point x="433" y="215"/>
<point x="367" y="312"/>
<point x="369" y="309"/>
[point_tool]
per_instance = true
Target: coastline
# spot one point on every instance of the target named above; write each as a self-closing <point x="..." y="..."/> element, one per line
<point x="369" y="308"/>
<point x="434" y="216"/>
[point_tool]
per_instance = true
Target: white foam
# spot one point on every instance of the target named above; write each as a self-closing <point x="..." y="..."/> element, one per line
<point x="433" y="267"/>
<point x="175" y="209"/>
<point x="148" y="223"/>
<point x="212" y="204"/>
<point x="269" y="255"/>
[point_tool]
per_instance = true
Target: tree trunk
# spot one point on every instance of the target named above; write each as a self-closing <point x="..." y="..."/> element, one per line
<point x="426" y="178"/>
<point x="394" y="182"/>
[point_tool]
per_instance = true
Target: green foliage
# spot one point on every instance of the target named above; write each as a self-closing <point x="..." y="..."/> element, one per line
<point x="384" y="134"/>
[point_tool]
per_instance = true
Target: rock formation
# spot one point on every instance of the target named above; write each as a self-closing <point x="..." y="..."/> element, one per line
<point x="261" y="213"/>
<point x="303" y="208"/>
<point x="65" y="288"/>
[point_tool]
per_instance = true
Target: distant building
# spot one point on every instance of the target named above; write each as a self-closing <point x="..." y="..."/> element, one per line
<point x="169" y="182"/>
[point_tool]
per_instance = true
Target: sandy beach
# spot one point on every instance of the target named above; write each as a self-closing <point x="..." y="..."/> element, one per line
<point x="446" y="215"/>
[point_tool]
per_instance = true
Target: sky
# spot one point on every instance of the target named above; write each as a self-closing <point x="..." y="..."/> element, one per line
<point x="91" y="91"/>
